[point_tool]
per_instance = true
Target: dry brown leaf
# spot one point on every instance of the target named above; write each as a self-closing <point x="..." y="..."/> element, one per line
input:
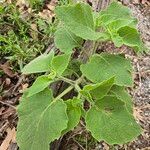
<point x="50" y="7"/>
<point x="106" y="147"/>
<point x="21" y="3"/>
<point x="7" y="81"/>
<point x="7" y="69"/>
<point x="23" y="87"/>
<point x="46" y="14"/>
<point x="10" y="111"/>
<point x="33" y="32"/>
<point x="1" y="110"/>
<point x="137" y="113"/>
<point x="11" y="134"/>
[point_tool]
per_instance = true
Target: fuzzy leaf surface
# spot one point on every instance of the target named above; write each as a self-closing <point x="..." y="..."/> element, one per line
<point x="66" y="40"/>
<point x="41" y="120"/>
<point x="122" y="94"/>
<point x="103" y="67"/>
<point x="114" y="26"/>
<point x="73" y="113"/>
<point x="115" y="11"/>
<point x="121" y="26"/>
<point x="79" y="19"/>
<point x="60" y="63"/>
<point x="39" y="64"/>
<point x="131" y="37"/>
<point x="39" y="85"/>
<point x="109" y="120"/>
<point x="99" y="90"/>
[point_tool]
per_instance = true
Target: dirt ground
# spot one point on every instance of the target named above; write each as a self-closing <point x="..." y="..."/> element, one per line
<point x="14" y="84"/>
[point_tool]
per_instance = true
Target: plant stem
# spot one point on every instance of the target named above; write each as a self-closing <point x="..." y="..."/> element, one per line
<point x="67" y="80"/>
<point x="78" y="81"/>
<point x="64" y="92"/>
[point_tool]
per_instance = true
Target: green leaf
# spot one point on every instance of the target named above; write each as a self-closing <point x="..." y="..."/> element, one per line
<point x="115" y="11"/>
<point x="60" y="63"/>
<point x="99" y="90"/>
<point x="121" y="93"/>
<point x="119" y="23"/>
<point x="121" y="26"/>
<point x="39" y="64"/>
<point x="73" y="112"/>
<point x="131" y="37"/>
<point x="39" y="85"/>
<point x="41" y="120"/>
<point x="79" y="19"/>
<point x="114" y="26"/>
<point x="73" y="68"/>
<point x="109" y="120"/>
<point x="104" y="66"/>
<point x="66" y="40"/>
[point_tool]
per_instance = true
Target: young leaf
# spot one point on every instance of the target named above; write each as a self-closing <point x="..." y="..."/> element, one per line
<point x="120" y="93"/>
<point x="39" y="64"/>
<point x="119" y="23"/>
<point x="39" y="85"/>
<point x="41" y="120"/>
<point x="121" y="26"/>
<point x="73" y="68"/>
<point x="115" y="11"/>
<point x="66" y="40"/>
<point x="109" y="120"/>
<point x="131" y="38"/>
<point x="99" y="90"/>
<point x="114" y="26"/>
<point x="104" y="66"/>
<point x="79" y="19"/>
<point x="73" y="112"/>
<point x="60" y="63"/>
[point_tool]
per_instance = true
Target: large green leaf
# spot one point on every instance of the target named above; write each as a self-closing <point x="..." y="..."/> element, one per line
<point x="66" y="40"/>
<point x="121" y="93"/>
<point x="104" y="66"/>
<point x="109" y="120"/>
<point x="41" y="120"/>
<point x="60" y="63"/>
<point x="79" y="19"/>
<point x="39" y="85"/>
<point x="73" y="112"/>
<point x="99" y="90"/>
<point x="39" y="64"/>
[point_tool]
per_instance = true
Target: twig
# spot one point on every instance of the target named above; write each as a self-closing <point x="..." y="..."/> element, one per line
<point x="139" y="74"/>
<point x="50" y="47"/>
<point x="18" y="83"/>
<point x="79" y="144"/>
<point x="8" y="105"/>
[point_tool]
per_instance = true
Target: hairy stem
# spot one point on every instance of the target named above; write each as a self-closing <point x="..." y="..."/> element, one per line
<point x="78" y="81"/>
<point x="64" y="92"/>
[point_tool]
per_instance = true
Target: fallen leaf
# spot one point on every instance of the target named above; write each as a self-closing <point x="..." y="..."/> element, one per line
<point x="10" y="136"/>
<point x="46" y="14"/>
<point x="7" y="81"/>
<point x="7" y="69"/>
<point x="34" y="33"/>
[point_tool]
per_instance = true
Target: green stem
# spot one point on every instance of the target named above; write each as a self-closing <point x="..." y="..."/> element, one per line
<point x="67" y="80"/>
<point x="64" y="92"/>
<point x="95" y="45"/>
<point x="78" y="81"/>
